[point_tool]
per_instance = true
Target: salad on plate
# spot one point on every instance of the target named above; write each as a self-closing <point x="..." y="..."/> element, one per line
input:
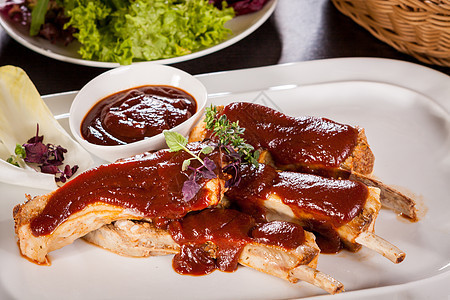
<point x="126" y="31"/>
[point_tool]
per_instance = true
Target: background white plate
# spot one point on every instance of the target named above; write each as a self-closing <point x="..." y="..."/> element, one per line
<point x="405" y="111"/>
<point x="241" y="27"/>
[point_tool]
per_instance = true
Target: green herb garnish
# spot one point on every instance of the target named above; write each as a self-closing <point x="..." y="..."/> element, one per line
<point x="229" y="135"/>
<point x="19" y="155"/>
<point x="176" y="142"/>
<point x="38" y="16"/>
<point x="229" y="143"/>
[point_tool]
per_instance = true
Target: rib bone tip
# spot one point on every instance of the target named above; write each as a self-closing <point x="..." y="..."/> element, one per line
<point x="317" y="278"/>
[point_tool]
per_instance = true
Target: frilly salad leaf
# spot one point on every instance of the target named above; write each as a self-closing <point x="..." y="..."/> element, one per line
<point x="126" y="31"/>
<point x="22" y="108"/>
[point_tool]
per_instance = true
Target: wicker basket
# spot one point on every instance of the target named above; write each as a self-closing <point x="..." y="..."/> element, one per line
<point x="420" y="28"/>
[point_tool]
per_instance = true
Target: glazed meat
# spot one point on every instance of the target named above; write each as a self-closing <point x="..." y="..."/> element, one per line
<point x="340" y="211"/>
<point x="142" y="239"/>
<point x="309" y="145"/>
<point x="145" y="187"/>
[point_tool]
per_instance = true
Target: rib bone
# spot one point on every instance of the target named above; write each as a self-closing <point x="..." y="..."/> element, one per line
<point x="390" y="197"/>
<point x="353" y="234"/>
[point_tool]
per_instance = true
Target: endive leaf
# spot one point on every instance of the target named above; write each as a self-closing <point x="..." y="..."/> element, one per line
<point x="21" y="109"/>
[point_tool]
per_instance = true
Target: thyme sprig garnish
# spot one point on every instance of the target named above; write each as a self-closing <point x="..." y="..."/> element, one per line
<point x="229" y="134"/>
<point x="229" y="142"/>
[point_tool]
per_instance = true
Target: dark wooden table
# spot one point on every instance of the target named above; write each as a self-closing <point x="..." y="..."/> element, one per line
<point x="299" y="30"/>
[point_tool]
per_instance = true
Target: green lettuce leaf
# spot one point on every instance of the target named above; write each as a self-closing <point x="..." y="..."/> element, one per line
<point x="38" y="16"/>
<point x="123" y="32"/>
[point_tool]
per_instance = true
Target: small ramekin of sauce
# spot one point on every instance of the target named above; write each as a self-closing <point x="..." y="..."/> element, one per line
<point x="124" y="111"/>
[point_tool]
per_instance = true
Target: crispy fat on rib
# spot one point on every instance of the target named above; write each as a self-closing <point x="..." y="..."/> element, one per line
<point x="143" y="239"/>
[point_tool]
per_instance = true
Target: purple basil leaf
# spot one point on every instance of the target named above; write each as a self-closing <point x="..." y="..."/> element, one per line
<point x="49" y="157"/>
<point x="209" y="164"/>
<point x="60" y="178"/>
<point x="68" y="172"/>
<point x="36" y="139"/>
<point x="207" y="174"/>
<point x="55" y="155"/>
<point x="49" y="169"/>
<point x="190" y="189"/>
<point x="35" y="152"/>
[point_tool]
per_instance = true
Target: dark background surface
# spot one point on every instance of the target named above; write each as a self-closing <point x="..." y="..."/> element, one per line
<point x="299" y="30"/>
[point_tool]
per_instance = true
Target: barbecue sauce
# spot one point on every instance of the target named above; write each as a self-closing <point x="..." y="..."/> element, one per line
<point x="151" y="185"/>
<point x="307" y="142"/>
<point x="214" y="239"/>
<point x="135" y="114"/>
<point x="321" y="204"/>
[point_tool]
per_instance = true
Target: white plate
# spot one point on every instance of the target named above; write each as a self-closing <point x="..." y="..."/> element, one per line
<point x="405" y="111"/>
<point x="241" y="27"/>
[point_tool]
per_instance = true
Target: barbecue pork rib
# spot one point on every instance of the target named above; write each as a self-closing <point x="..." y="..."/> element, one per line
<point x="143" y="239"/>
<point x="316" y="145"/>
<point x="284" y="143"/>
<point x="144" y="187"/>
<point x="338" y="210"/>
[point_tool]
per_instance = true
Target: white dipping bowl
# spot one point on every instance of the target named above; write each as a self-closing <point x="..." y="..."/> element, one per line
<point x="127" y="77"/>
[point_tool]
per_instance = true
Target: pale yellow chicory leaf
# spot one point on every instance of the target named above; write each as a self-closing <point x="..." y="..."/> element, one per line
<point x="21" y="109"/>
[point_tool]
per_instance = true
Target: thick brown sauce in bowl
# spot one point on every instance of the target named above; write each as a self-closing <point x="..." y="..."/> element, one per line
<point x="137" y="113"/>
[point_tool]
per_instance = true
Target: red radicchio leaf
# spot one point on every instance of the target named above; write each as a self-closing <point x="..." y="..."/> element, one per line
<point x="242" y="7"/>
